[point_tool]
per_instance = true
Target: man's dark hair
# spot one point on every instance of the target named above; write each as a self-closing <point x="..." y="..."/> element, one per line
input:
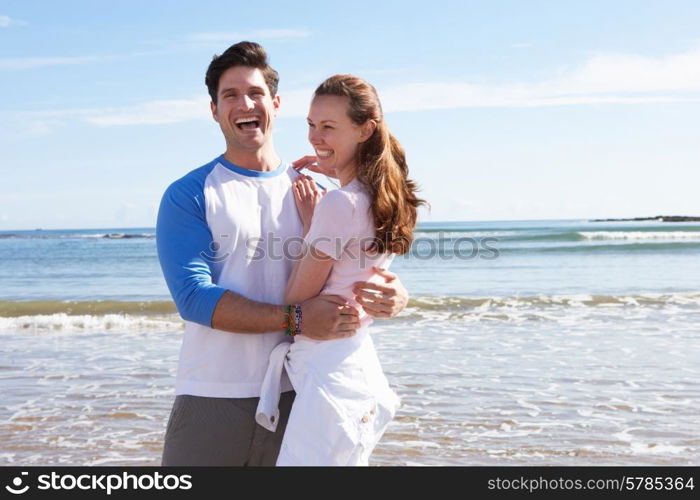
<point x="248" y="54"/>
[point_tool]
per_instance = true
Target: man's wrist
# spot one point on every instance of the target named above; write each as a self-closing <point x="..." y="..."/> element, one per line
<point x="279" y="313"/>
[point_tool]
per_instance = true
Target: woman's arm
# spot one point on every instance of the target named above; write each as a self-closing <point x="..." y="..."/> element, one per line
<point x="308" y="276"/>
<point x="311" y="270"/>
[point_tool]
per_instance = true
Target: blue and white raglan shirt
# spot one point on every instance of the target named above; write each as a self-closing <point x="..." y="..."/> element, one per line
<point x="223" y="227"/>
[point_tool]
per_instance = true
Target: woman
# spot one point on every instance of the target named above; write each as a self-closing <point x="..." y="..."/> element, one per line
<point x="343" y="401"/>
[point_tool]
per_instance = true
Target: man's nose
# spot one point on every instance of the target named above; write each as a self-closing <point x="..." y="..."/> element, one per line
<point x="246" y="103"/>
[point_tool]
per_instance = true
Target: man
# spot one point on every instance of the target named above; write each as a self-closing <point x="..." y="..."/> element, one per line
<point x="222" y="237"/>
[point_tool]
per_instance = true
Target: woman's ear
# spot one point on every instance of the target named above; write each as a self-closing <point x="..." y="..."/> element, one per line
<point x="368" y="129"/>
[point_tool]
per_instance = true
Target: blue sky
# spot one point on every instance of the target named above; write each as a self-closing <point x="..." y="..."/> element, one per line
<point x="507" y="110"/>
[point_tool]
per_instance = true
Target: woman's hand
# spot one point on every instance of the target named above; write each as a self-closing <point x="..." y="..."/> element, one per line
<point x="310" y="162"/>
<point x="306" y="195"/>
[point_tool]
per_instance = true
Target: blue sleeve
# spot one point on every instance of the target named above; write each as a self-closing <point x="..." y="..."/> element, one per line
<point x="183" y="238"/>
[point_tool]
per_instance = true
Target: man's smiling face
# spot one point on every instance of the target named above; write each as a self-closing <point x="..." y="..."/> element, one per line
<point x="245" y="110"/>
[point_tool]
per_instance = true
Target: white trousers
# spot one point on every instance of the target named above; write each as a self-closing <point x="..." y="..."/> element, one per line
<point x="343" y="401"/>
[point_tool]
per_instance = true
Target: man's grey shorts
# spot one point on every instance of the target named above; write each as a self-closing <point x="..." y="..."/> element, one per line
<point x="222" y="431"/>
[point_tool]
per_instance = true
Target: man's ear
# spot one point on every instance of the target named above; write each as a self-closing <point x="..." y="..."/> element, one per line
<point x="212" y="105"/>
<point x="368" y="129"/>
<point x="276" y="103"/>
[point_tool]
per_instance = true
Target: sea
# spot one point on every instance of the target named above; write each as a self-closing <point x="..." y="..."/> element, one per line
<point x="548" y="342"/>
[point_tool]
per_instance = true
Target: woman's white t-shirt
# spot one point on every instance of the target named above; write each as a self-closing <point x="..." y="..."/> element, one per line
<point x="343" y="401"/>
<point x="342" y="227"/>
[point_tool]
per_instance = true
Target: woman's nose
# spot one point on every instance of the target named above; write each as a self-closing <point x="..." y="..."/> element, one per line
<point x="313" y="137"/>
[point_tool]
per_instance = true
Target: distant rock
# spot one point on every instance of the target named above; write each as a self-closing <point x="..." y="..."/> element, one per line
<point x="658" y="218"/>
<point x="121" y="236"/>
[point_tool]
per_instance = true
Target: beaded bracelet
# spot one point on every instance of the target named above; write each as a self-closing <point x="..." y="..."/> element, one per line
<point x="292" y="320"/>
<point x="287" y="325"/>
<point x="297" y="318"/>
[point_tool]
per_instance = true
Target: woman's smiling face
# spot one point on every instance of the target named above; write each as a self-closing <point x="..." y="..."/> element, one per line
<point x="332" y="133"/>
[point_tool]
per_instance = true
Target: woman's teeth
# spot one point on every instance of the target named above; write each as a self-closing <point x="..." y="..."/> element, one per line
<point x="323" y="154"/>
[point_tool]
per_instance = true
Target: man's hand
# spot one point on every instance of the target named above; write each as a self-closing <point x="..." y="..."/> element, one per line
<point x="310" y="162"/>
<point x="327" y="317"/>
<point x="381" y="300"/>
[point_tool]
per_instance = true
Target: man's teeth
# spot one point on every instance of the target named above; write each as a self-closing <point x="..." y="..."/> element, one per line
<point x="247" y="123"/>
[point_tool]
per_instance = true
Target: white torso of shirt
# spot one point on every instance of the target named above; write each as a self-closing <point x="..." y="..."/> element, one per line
<point x="253" y="222"/>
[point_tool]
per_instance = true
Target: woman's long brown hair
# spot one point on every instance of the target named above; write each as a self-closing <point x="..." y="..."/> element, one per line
<point x="381" y="166"/>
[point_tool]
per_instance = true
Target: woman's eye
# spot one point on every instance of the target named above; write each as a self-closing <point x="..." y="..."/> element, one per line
<point x="328" y="127"/>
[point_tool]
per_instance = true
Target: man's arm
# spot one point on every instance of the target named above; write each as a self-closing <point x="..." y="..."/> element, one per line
<point x="184" y="244"/>
<point x="237" y="314"/>
<point x="325" y="317"/>
<point x="184" y="241"/>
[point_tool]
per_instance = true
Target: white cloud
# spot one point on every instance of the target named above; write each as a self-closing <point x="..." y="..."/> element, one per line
<point x="602" y="79"/>
<point x="35" y="128"/>
<point x="633" y="73"/>
<point x="294" y="104"/>
<point x="6" y="21"/>
<point x="159" y="112"/>
<point x="22" y="63"/>
<point x="19" y="63"/>
<point x="429" y="96"/>
<point x="153" y="113"/>
<point x="232" y="37"/>
<point x="37" y="123"/>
